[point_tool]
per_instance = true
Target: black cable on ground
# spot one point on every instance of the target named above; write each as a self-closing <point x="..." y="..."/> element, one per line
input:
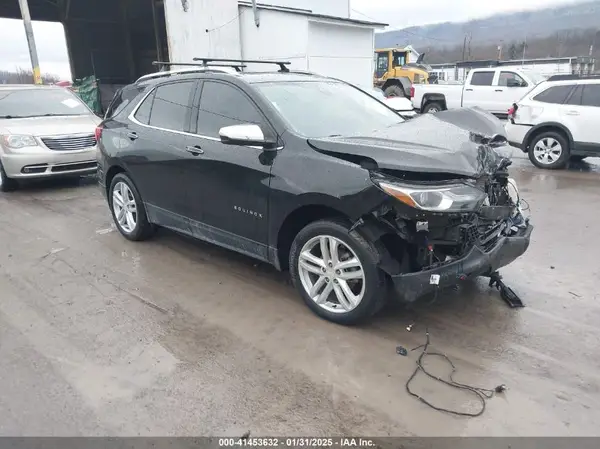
<point x="482" y="394"/>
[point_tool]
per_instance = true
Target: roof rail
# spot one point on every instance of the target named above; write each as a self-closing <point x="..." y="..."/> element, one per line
<point x="237" y="67"/>
<point x="194" y="69"/>
<point x="281" y="64"/>
<point x="572" y="77"/>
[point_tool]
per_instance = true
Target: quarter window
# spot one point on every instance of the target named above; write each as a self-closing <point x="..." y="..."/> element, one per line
<point x="224" y="105"/>
<point x="482" y="78"/>
<point x="142" y="115"/>
<point x="171" y="106"/>
<point x="555" y="94"/>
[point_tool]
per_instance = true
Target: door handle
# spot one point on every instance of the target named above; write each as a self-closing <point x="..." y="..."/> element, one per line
<point x="572" y="113"/>
<point x="132" y="135"/>
<point x="499" y="90"/>
<point x="194" y="150"/>
<point x="469" y="90"/>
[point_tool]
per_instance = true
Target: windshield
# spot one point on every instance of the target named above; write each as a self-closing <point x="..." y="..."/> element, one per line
<point x="536" y="78"/>
<point x="327" y="108"/>
<point x="24" y="103"/>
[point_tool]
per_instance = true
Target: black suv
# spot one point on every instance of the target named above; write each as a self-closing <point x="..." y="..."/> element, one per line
<point x="314" y="176"/>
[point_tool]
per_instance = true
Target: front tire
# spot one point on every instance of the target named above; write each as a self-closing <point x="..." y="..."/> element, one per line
<point x="549" y="150"/>
<point x="335" y="271"/>
<point x="6" y="184"/>
<point x="128" y="211"/>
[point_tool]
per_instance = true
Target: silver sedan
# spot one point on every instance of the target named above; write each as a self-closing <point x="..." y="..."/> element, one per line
<point x="45" y="131"/>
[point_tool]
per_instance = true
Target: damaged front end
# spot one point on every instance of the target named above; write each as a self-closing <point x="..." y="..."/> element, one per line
<point x="437" y="229"/>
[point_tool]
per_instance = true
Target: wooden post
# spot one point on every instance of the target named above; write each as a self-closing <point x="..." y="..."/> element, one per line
<point x="35" y="63"/>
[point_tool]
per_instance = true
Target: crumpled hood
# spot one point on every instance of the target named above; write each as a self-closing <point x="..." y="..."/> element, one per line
<point x="457" y="142"/>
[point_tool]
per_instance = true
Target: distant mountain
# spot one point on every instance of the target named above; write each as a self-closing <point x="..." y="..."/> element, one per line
<point x="498" y="29"/>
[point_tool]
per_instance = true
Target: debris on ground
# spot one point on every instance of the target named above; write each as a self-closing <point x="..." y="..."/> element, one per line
<point x="401" y="350"/>
<point x="482" y="394"/>
<point x="507" y="294"/>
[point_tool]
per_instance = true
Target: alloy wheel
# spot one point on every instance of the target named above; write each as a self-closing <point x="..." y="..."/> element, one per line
<point x="331" y="274"/>
<point x="124" y="207"/>
<point x="547" y="151"/>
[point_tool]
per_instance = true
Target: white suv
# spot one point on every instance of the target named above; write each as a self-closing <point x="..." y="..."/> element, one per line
<point x="557" y="121"/>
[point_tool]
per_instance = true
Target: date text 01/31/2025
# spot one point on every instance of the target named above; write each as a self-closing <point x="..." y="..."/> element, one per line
<point x="296" y="442"/>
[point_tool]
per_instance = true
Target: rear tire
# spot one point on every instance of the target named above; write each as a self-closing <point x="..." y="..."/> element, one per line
<point x="431" y="108"/>
<point x="549" y="150"/>
<point x="6" y="184"/>
<point x="127" y="208"/>
<point x="361" y="283"/>
<point x="394" y="91"/>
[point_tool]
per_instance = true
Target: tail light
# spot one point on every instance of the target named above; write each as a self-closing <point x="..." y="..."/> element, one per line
<point x="412" y="91"/>
<point x="98" y="132"/>
<point x="512" y="111"/>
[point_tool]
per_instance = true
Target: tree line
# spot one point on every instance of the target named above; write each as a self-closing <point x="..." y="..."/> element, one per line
<point x="564" y="43"/>
<point x="22" y="76"/>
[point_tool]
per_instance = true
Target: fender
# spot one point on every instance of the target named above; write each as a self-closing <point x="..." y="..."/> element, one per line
<point x="536" y="128"/>
<point x="429" y="97"/>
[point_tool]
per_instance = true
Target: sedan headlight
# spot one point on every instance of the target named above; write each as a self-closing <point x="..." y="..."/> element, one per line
<point x="18" y="141"/>
<point x="446" y="198"/>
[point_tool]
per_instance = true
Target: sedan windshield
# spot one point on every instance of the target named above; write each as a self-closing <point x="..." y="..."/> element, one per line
<point x="25" y="103"/>
<point x="327" y="108"/>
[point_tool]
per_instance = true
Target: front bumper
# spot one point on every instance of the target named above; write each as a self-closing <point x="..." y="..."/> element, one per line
<point x="40" y="164"/>
<point x="411" y="286"/>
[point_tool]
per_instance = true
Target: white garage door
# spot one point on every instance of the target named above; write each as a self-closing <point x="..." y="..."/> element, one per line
<point x="341" y="51"/>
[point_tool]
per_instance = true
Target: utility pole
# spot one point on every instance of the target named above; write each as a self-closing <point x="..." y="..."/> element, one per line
<point x="35" y="63"/>
<point x="464" y="47"/>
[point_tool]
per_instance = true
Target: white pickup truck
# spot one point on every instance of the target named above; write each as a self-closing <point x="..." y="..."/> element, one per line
<point x="493" y="90"/>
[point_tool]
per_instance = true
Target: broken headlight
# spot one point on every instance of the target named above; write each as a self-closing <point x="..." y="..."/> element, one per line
<point x="441" y="198"/>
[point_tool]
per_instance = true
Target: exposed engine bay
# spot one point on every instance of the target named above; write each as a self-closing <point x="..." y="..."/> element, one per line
<point x="433" y="239"/>
<point x="451" y="210"/>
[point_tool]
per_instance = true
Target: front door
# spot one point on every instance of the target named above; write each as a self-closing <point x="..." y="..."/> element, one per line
<point x="509" y="89"/>
<point x="154" y="148"/>
<point x="228" y="185"/>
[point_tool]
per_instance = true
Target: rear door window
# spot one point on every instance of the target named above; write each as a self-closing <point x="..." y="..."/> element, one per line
<point x="554" y="94"/>
<point x="482" y="78"/>
<point x="172" y="106"/>
<point x="591" y="95"/>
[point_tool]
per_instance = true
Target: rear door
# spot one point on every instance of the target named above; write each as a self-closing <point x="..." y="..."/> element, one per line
<point x="154" y="148"/>
<point x="582" y="114"/>
<point x="478" y="90"/>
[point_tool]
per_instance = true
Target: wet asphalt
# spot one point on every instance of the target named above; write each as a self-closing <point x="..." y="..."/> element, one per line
<point x="101" y="336"/>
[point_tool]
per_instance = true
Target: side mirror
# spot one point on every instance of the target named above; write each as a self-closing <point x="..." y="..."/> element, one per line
<point x="248" y="135"/>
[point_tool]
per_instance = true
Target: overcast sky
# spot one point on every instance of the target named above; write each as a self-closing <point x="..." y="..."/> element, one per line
<point x="52" y="48"/>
